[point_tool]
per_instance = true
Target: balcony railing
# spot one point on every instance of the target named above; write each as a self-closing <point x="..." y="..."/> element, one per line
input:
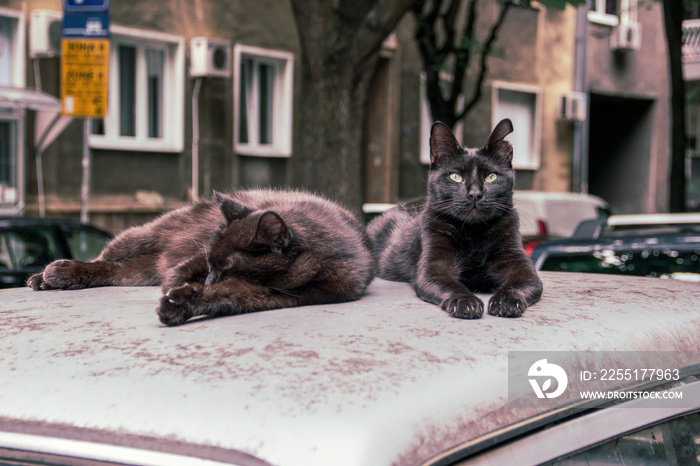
<point x="691" y="40"/>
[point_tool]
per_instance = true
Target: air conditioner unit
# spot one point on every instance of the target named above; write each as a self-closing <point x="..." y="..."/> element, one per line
<point x="210" y="57"/>
<point x="626" y="36"/>
<point x="45" y="32"/>
<point x="573" y="107"/>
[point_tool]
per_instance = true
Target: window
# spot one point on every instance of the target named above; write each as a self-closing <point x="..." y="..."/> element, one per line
<point x="613" y="12"/>
<point x="8" y="161"/>
<point x="84" y="245"/>
<point x="426" y="119"/>
<point x="675" y="442"/>
<point x="27" y="249"/>
<point x="263" y="101"/>
<point x="11" y="48"/>
<point x="521" y="104"/>
<point x="144" y="67"/>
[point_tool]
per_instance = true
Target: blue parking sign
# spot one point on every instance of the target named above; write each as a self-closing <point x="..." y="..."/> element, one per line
<point x="86" y="24"/>
<point x="84" y="6"/>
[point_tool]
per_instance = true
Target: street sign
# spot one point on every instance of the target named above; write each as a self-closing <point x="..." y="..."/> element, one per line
<point x="84" y="75"/>
<point x="85" y="5"/>
<point x="86" y="25"/>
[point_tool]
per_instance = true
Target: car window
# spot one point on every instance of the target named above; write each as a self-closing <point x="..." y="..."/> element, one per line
<point x="5" y="257"/>
<point x="27" y="249"/>
<point x="674" y="443"/>
<point x="645" y="263"/>
<point x="84" y="245"/>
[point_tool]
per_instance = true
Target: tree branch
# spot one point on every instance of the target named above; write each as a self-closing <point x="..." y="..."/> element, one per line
<point x="376" y="26"/>
<point x="493" y="35"/>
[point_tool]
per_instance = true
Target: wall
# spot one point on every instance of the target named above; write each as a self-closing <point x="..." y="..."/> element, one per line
<point x="535" y="48"/>
<point x="164" y="179"/>
<point x="636" y="80"/>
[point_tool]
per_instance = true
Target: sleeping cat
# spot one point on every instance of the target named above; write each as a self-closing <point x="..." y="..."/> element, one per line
<point x="239" y="252"/>
<point x="464" y="237"/>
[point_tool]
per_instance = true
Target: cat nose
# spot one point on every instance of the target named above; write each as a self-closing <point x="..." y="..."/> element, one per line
<point x="474" y="194"/>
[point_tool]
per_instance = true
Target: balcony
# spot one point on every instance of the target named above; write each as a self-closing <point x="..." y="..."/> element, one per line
<point x="691" y="49"/>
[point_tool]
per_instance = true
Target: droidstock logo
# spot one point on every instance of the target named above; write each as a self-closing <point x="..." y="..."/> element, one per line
<point x="544" y="371"/>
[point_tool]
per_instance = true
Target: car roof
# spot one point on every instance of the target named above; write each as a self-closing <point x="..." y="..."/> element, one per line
<point x="653" y="219"/>
<point x="384" y="380"/>
<point x="9" y="222"/>
<point x="560" y="212"/>
<point x="547" y="195"/>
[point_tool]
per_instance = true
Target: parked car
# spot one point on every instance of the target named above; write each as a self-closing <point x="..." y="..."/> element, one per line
<point x="28" y="244"/>
<point x="654" y="245"/>
<point x="547" y="215"/>
<point x="92" y="377"/>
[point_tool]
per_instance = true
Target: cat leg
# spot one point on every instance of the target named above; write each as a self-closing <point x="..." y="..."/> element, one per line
<point x="67" y="274"/>
<point x="441" y="289"/>
<point x="234" y="296"/>
<point x="193" y="269"/>
<point x="521" y="287"/>
<point x="437" y="280"/>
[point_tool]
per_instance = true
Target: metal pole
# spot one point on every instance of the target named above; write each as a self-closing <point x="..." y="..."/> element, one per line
<point x="85" y="188"/>
<point x="195" y="139"/>
<point x="579" y="169"/>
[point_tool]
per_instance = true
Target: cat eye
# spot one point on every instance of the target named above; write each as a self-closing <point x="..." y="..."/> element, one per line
<point x="491" y="177"/>
<point x="456" y="177"/>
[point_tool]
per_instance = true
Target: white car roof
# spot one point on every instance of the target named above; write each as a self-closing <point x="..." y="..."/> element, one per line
<point x="653" y="219"/>
<point x="384" y="380"/>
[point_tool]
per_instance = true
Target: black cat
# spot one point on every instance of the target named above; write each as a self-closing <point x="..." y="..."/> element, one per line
<point x="464" y="237"/>
<point x="239" y="252"/>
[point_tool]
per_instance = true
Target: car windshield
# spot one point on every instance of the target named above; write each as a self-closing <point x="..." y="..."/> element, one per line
<point x="84" y="245"/>
<point x="27" y="249"/>
<point x="665" y="263"/>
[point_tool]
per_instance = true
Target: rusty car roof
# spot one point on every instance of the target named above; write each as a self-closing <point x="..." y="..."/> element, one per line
<point x="384" y="380"/>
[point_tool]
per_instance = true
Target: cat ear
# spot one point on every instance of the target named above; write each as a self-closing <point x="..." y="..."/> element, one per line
<point x="497" y="146"/>
<point x="443" y="143"/>
<point x="272" y="231"/>
<point x="232" y="210"/>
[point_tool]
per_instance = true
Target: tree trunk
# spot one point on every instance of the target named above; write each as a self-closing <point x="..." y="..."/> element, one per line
<point x="329" y="156"/>
<point x="340" y="41"/>
<point x="673" y="19"/>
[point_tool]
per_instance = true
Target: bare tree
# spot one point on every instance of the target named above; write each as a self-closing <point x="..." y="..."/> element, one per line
<point x="340" y="41"/>
<point x="447" y="38"/>
<point x="448" y="43"/>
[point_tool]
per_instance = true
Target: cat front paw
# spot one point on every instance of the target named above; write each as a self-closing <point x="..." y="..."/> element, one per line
<point x="504" y="304"/>
<point x="63" y="274"/>
<point x="175" y="306"/>
<point x="36" y="282"/>
<point x="464" y="307"/>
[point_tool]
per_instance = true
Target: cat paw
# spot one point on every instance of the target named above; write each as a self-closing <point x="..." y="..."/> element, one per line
<point x="61" y="274"/>
<point x="36" y="282"/>
<point x="506" y="305"/>
<point x="464" y="307"/>
<point x="174" y="308"/>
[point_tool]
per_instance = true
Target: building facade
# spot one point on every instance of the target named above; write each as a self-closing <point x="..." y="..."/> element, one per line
<point x="202" y="97"/>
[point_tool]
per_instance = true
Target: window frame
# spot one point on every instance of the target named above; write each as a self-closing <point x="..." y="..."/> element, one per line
<point x="535" y="152"/>
<point x="173" y="85"/>
<point x="627" y="13"/>
<point x="16" y="47"/>
<point x="598" y="15"/>
<point x="282" y="102"/>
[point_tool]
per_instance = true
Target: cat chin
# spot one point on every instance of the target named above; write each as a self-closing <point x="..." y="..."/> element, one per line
<point x="475" y="216"/>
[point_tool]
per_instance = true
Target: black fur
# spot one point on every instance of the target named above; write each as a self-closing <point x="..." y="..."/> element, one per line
<point x="464" y="237"/>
